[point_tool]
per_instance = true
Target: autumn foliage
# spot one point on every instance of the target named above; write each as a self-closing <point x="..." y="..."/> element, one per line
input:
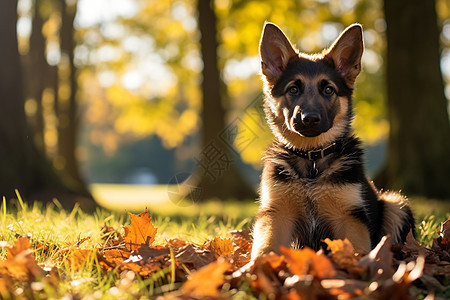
<point x="220" y="267"/>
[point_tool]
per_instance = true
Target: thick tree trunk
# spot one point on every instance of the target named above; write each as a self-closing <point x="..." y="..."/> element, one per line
<point x="217" y="169"/>
<point x="419" y="140"/>
<point x="16" y="148"/>
<point x="67" y="108"/>
<point x="22" y="166"/>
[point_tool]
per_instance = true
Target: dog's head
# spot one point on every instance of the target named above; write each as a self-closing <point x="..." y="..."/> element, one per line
<point x="308" y="97"/>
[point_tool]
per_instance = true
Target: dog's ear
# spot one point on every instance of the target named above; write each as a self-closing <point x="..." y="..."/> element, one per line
<point x="346" y="52"/>
<point x="275" y="50"/>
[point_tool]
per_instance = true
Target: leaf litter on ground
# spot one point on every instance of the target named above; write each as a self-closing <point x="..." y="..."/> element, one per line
<point x="218" y="268"/>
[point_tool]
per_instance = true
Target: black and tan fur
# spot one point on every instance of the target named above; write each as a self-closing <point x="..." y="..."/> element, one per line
<point x="308" y="106"/>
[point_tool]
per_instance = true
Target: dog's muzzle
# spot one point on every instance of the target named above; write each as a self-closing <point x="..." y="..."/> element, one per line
<point x="308" y="124"/>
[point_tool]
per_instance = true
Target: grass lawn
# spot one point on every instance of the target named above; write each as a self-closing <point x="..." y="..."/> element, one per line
<point x="52" y="231"/>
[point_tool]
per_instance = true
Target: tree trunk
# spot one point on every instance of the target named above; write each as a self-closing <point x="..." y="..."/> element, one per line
<point x="16" y="149"/>
<point x="67" y="107"/>
<point x="217" y="169"/>
<point x="35" y="85"/>
<point x="22" y="166"/>
<point x="419" y="140"/>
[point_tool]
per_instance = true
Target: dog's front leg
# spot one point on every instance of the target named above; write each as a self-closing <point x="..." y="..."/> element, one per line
<point x="280" y="209"/>
<point x="272" y="230"/>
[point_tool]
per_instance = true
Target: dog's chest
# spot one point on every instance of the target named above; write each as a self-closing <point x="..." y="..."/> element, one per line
<point x="325" y="207"/>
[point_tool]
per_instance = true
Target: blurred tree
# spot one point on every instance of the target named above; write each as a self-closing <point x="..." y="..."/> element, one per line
<point x="66" y="102"/>
<point x="217" y="170"/>
<point x="36" y="63"/>
<point x="23" y="167"/>
<point x="419" y="139"/>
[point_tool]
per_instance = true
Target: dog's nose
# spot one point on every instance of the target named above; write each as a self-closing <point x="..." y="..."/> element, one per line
<point x="310" y="119"/>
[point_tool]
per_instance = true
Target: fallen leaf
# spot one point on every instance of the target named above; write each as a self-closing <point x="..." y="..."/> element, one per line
<point x="195" y="255"/>
<point x="79" y="257"/>
<point x="176" y="244"/>
<point x="306" y="261"/>
<point x="21" y="244"/>
<point x="379" y="260"/>
<point x="147" y="252"/>
<point x="116" y="256"/>
<point x="412" y="247"/>
<point x="206" y="281"/>
<point x="339" y="246"/>
<point x="445" y="230"/>
<point x="265" y="280"/>
<point x="264" y="274"/>
<point x="243" y="245"/>
<point x="276" y="262"/>
<point x="242" y="239"/>
<point x="344" y="257"/>
<point x="221" y="247"/>
<point x="136" y="264"/>
<point x="141" y="231"/>
<point x="20" y="263"/>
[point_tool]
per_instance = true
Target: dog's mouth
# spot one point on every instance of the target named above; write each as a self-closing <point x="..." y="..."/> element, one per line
<point x="309" y="133"/>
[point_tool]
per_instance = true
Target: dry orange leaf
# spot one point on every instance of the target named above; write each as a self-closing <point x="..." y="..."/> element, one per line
<point x="78" y="257"/>
<point x="337" y="246"/>
<point x="141" y="231"/>
<point x="222" y="247"/>
<point x="116" y="256"/>
<point x="21" y="244"/>
<point x="206" y="281"/>
<point x="264" y="269"/>
<point x="305" y="261"/>
<point x="20" y="263"/>
<point x="344" y="256"/>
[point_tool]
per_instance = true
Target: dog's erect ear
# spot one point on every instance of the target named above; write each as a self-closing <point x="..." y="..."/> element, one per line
<point x="346" y="52"/>
<point x="275" y="50"/>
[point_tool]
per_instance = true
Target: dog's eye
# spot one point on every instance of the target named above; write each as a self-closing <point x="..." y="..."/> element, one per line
<point x="328" y="90"/>
<point x="293" y="90"/>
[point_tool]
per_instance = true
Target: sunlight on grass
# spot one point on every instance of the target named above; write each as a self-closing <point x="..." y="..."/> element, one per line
<point x="130" y="197"/>
<point x="156" y="198"/>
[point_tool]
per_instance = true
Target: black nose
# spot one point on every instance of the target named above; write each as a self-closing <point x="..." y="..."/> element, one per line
<point x="310" y="119"/>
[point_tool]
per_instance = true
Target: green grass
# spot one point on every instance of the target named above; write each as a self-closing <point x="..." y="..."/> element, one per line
<point x="56" y="229"/>
<point x="52" y="229"/>
<point x="429" y="215"/>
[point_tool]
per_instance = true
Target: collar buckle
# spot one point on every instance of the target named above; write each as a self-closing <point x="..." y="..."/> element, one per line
<point x="320" y="153"/>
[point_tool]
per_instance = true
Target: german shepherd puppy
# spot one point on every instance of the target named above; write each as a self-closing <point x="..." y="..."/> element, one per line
<point x="313" y="184"/>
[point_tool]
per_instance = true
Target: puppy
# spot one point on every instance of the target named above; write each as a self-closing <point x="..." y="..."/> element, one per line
<point x="313" y="184"/>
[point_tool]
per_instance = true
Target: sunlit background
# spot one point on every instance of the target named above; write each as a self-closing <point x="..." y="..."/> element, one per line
<point x="138" y="72"/>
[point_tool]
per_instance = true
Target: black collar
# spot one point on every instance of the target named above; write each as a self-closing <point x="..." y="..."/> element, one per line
<point x="315" y="154"/>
